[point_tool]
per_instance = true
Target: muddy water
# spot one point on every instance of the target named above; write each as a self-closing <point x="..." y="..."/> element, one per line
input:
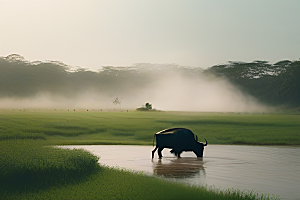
<point x="273" y="170"/>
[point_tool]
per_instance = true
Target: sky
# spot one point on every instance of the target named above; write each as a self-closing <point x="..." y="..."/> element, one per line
<point x="195" y="33"/>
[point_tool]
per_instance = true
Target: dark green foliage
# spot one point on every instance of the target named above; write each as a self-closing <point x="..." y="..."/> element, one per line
<point x="110" y="183"/>
<point x="289" y="91"/>
<point x="276" y="85"/>
<point x="26" y="166"/>
<point x="147" y="107"/>
<point x="19" y="78"/>
<point x="22" y="79"/>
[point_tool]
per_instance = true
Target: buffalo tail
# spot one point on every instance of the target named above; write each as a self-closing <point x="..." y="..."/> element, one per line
<point x="153" y="139"/>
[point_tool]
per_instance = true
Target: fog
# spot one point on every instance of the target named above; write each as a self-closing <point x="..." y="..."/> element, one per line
<point x="201" y="94"/>
<point x="166" y="87"/>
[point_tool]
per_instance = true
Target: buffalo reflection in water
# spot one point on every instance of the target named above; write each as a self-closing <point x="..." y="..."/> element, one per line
<point x="179" y="167"/>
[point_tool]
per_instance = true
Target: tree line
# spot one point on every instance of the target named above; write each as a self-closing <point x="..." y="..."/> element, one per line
<point x="273" y="84"/>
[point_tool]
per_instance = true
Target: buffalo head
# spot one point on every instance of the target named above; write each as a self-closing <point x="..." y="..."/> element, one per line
<point x="200" y="148"/>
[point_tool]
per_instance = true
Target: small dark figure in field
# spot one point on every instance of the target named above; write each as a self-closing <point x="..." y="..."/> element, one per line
<point x="179" y="140"/>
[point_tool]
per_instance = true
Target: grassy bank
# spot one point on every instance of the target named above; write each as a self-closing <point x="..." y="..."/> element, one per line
<point x="116" y="184"/>
<point x="29" y="170"/>
<point x="26" y="166"/>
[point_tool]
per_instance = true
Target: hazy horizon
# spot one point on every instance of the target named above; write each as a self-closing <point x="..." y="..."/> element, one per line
<point x="91" y="34"/>
<point x="193" y="33"/>
<point x="166" y="87"/>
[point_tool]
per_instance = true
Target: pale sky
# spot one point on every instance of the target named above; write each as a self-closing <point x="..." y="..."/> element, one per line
<point x="196" y="33"/>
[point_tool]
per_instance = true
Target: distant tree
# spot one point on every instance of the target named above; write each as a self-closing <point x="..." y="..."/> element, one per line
<point x="146" y="107"/>
<point x="117" y="101"/>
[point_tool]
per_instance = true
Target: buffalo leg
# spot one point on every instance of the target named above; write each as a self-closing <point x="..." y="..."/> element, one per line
<point x="154" y="152"/>
<point x="178" y="155"/>
<point x="159" y="152"/>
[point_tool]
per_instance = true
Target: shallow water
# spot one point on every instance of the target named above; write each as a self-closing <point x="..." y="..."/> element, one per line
<point x="273" y="170"/>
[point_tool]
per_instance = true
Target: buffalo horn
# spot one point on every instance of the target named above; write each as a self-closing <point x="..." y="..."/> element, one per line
<point x="206" y="142"/>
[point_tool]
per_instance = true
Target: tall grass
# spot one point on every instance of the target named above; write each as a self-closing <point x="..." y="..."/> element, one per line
<point x="110" y="183"/>
<point x="26" y="165"/>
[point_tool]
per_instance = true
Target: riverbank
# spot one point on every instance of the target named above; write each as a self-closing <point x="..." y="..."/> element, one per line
<point x="30" y="171"/>
<point x="24" y="131"/>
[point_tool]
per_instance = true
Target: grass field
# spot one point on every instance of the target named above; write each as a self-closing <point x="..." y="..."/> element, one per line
<point x="29" y="170"/>
<point x="63" y="127"/>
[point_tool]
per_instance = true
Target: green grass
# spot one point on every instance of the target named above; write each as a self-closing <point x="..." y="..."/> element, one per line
<point x="62" y="127"/>
<point x="111" y="183"/>
<point x="26" y="165"/>
<point x="31" y="169"/>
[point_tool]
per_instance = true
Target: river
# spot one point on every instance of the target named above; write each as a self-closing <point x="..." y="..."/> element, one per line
<point x="263" y="169"/>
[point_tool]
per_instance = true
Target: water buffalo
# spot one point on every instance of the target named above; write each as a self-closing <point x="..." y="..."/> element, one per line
<point x="179" y="140"/>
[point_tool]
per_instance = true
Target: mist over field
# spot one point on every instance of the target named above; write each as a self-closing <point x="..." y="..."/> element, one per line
<point x="176" y="91"/>
<point x="25" y="84"/>
<point x="171" y="91"/>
